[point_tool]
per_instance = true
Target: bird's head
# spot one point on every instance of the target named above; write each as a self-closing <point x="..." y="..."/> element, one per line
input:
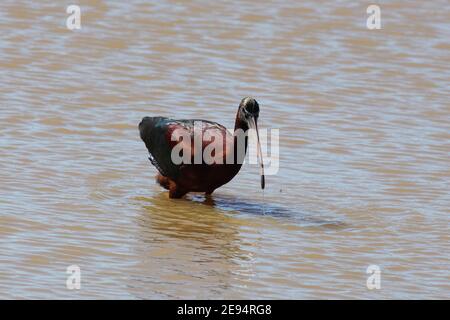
<point x="248" y="109"/>
<point x="249" y="113"/>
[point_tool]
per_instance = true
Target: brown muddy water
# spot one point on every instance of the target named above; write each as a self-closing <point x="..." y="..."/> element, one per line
<point x="364" y="120"/>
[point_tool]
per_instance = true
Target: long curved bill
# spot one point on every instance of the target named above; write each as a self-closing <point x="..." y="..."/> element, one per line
<point x="253" y="124"/>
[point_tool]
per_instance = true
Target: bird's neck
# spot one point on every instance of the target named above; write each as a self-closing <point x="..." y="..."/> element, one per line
<point x="240" y="140"/>
<point x="240" y="124"/>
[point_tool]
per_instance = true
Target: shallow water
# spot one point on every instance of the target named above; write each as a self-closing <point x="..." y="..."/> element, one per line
<point x="364" y="120"/>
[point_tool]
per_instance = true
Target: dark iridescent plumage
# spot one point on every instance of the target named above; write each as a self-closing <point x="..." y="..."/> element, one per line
<point x="179" y="179"/>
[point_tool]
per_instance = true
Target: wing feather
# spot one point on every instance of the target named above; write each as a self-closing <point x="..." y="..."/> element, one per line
<point x="156" y="133"/>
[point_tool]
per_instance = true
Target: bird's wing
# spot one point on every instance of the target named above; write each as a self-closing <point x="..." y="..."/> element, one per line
<point x="209" y="133"/>
<point x="157" y="133"/>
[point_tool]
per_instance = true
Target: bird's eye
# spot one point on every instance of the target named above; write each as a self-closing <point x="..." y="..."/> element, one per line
<point x="246" y="112"/>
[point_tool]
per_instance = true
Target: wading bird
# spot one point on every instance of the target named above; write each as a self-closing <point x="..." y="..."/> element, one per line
<point x="161" y="135"/>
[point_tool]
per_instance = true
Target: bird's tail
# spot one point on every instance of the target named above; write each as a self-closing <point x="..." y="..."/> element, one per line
<point x="147" y="124"/>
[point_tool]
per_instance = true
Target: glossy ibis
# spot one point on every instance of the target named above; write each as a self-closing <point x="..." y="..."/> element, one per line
<point x="190" y="176"/>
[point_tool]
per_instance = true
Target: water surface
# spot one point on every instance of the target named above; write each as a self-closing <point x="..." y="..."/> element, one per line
<point x="364" y="120"/>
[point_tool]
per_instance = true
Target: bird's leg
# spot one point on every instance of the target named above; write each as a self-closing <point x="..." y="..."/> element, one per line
<point x="163" y="181"/>
<point x="175" y="192"/>
<point x="209" y="193"/>
<point x="209" y="200"/>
